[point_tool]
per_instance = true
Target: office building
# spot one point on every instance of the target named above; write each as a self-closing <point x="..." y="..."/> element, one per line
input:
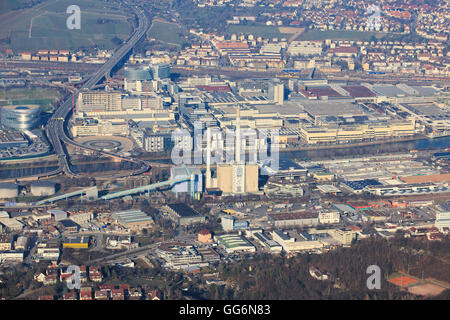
<point x="99" y="101"/>
<point x="329" y="217"/>
<point x="276" y="93"/>
<point x="344" y="236"/>
<point x="305" y="48"/>
<point x="5" y="242"/>
<point x="443" y="217"/>
<point x="136" y="78"/>
<point x="160" y="71"/>
<point x="48" y="250"/>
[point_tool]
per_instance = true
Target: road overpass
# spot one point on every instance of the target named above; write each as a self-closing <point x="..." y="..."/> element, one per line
<point x="56" y="128"/>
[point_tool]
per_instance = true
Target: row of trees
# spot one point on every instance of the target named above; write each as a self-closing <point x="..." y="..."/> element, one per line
<point x="276" y="277"/>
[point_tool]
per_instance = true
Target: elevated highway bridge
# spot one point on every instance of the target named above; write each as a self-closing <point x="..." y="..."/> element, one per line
<point x="57" y="130"/>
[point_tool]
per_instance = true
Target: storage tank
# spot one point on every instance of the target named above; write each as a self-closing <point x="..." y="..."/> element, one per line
<point x="43" y="188"/>
<point x="8" y="190"/>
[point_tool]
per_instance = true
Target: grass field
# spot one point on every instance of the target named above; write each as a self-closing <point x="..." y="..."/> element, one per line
<point x="339" y="35"/>
<point x="8" y="5"/>
<point x="166" y="32"/>
<point x="257" y="31"/>
<point x="44" y="26"/>
<point x="45" y="97"/>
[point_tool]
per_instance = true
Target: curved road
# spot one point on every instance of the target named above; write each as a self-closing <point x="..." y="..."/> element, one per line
<point x="56" y="125"/>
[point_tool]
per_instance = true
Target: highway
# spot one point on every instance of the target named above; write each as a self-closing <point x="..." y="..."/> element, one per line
<point x="55" y="129"/>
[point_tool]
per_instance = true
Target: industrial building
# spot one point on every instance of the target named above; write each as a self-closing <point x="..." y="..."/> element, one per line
<point x="235" y="243"/>
<point x="58" y="215"/>
<point x="43" y="188"/>
<point x="12" y="139"/>
<point x="237" y="178"/>
<point x="11" y="224"/>
<point x="185" y="186"/>
<point x="21" y="243"/>
<point x="288" y="169"/>
<point x="290" y="219"/>
<point x="359" y="186"/>
<point x="69" y="225"/>
<point x="291" y="244"/>
<point x="283" y="188"/>
<point x="230" y="223"/>
<point x="182" y="214"/>
<point x="134" y="219"/>
<point x="22" y="117"/>
<point x="345" y="133"/>
<point x="265" y="241"/>
<point x="408" y="189"/>
<point x="8" y="190"/>
<point x="76" y="243"/>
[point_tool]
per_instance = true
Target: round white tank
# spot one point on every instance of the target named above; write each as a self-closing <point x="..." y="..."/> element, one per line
<point x="42" y="188"/>
<point x="8" y="190"/>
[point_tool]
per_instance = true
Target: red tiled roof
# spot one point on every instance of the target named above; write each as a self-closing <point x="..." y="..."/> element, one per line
<point x="353" y="50"/>
<point x="204" y="232"/>
<point x="232" y="45"/>
<point x="359" y="91"/>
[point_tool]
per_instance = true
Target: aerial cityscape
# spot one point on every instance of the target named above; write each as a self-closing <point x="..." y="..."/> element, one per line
<point x="198" y="150"/>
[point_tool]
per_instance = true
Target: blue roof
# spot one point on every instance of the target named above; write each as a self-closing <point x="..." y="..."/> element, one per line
<point x="361" y="184"/>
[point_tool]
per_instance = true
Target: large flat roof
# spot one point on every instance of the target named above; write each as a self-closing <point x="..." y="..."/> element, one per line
<point x="359" y="91"/>
<point x="388" y="90"/>
<point x="332" y="108"/>
<point x="183" y="210"/>
<point x="133" y="216"/>
<point x="293" y="215"/>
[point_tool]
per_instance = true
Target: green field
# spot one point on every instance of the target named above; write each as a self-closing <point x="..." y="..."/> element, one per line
<point x="257" y="31"/>
<point x="340" y="35"/>
<point x="8" y="5"/>
<point x="166" y="32"/>
<point x="44" y="26"/>
<point x="45" y="97"/>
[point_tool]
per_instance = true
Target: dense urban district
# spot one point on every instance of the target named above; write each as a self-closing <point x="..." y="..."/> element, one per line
<point x="224" y="149"/>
